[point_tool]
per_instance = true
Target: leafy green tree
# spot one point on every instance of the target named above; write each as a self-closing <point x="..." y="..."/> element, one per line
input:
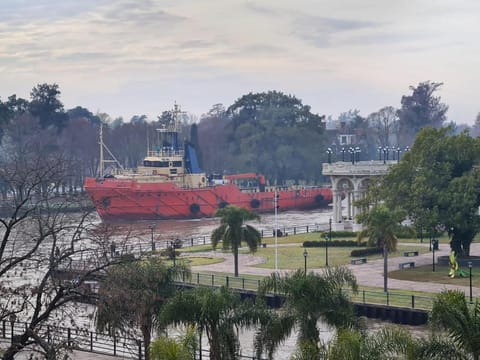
<point x="13" y="107"/>
<point x="275" y="134"/>
<point x="218" y="313"/>
<point x="233" y="231"/>
<point x="451" y="312"/>
<point x="45" y="105"/>
<point x="437" y="184"/>
<point x="308" y="298"/>
<point x="132" y="295"/>
<point x="380" y="224"/>
<point x="421" y="109"/>
<point x="80" y="113"/>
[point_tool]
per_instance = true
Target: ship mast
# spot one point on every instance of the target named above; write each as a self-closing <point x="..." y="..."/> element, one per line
<point x="100" y="142"/>
<point x="102" y="158"/>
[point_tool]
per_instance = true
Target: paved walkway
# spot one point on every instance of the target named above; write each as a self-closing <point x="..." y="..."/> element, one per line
<point x="369" y="274"/>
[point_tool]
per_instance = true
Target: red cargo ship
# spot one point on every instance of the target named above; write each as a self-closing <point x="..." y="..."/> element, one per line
<point x="170" y="185"/>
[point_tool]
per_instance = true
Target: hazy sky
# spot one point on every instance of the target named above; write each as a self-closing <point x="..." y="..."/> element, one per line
<point x="128" y="57"/>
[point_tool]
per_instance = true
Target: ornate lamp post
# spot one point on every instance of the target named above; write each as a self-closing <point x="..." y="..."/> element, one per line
<point x="351" y="151"/>
<point x="379" y="153"/>
<point x="470" y="276"/>
<point x="305" y="255"/>
<point x="172" y="244"/>
<point x="343" y="154"/>
<point x="152" y="227"/>
<point x="328" y="238"/>
<point x="434" y="247"/>
<point x="398" y="154"/>
<point x="357" y="154"/>
<point x="329" y="154"/>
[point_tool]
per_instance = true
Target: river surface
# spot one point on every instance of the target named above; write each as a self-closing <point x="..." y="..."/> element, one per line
<point x="184" y="229"/>
<point x="166" y="230"/>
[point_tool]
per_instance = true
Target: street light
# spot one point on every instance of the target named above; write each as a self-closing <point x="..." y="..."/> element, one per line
<point x="275" y="204"/>
<point x="379" y="153"/>
<point x="152" y="227"/>
<point x="343" y="154"/>
<point x="305" y="255"/>
<point x="351" y="151"/>
<point x="434" y="247"/>
<point x="172" y="244"/>
<point x="470" y="271"/>
<point x="357" y="154"/>
<point x="327" y="239"/>
<point x="385" y="152"/>
<point x="329" y="153"/>
<point x="398" y="154"/>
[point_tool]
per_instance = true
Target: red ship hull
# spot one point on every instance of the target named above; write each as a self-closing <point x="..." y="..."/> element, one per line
<point x="121" y="200"/>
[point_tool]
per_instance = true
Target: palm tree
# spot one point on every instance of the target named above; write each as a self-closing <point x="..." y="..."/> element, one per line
<point x="165" y="348"/>
<point x="308" y="299"/>
<point x="451" y="312"/>
<point x="233" y="231"/>
<point x="216" y="312"/>
<point x="132" y="294"/>
<point x="391" y="342"/>
<point x="381" y="223"/>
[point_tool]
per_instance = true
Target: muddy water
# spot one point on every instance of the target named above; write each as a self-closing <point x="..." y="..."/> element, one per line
<point x="171" y="229"/>
<point x="287" y="349"/>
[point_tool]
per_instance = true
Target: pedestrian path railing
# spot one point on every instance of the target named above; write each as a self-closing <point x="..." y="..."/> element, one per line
<point x="93" y="342"/>
<point x="142" y="247"/>
<point x="79" y="339"/>
<point x="390" y="298"/>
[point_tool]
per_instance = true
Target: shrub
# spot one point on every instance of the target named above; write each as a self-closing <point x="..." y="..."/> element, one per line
<point x="405" y="232"/>
<point x="334" y="243"/>
<point x="367" y="251"/>
<point x="337" y="234"/>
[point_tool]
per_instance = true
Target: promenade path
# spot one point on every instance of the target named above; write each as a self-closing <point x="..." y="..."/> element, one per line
<point x="369" y="274"/>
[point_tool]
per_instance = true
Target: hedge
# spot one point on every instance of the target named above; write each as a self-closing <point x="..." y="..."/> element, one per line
<point x="336" y="234"/>
<point x="334" y="243"/>
<point x="366" y="251"/>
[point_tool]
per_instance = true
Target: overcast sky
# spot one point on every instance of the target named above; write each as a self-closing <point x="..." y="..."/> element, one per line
<point x="133" y="57"/>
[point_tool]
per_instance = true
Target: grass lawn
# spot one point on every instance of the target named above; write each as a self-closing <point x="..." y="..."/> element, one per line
<point x="425" y="274"/>
<point x="291" y="257"/>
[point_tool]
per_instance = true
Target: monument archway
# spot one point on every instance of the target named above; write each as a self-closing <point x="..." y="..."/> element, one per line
<point x="349" y="182"/>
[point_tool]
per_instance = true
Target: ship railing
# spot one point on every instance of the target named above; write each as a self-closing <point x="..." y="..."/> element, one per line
<point x="165" y="153"/>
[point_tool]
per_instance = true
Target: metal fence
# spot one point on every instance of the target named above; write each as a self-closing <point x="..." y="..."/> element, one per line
<point x="390" y="298"/>
<point x="94" y="342"/>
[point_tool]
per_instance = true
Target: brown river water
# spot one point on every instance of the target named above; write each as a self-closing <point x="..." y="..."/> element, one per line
<point x="166" y="230"/>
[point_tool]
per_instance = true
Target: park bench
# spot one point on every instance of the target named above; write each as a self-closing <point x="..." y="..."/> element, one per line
<point x="410" y="253"/>
<point x="359" y="261"/>
<point x="408" y="264"/>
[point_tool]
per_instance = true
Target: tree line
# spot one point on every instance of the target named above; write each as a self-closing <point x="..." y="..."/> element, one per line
<point x="269" y="133"/>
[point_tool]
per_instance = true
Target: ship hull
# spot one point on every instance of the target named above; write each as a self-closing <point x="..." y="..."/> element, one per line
<point x="125" y="200"/>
